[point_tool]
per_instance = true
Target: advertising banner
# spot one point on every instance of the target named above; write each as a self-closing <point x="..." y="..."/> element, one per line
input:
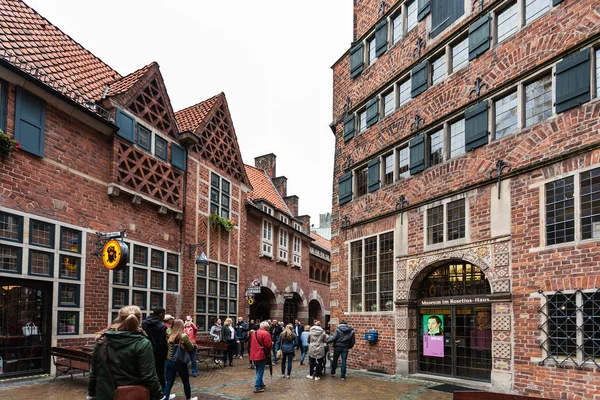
<point x="433" y="335"/>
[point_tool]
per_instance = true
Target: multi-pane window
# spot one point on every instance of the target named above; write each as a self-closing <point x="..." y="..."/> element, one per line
<point x="11" y="227"/>
<point x="362" y="121"/>
<point x="160" y="148"/>
<point x="460" y="54"/>
<point x="144" y="136"/>
<point x="284" y="219"/>
<point x="267" y="238"/>
<point x="404" y="93"/>
<point x="361" y="181"/>
<point x="41" y="233"/>
<point x="438" y="69"/>
<point x="267" y="209"/>
<point x="435" y="225"/>
<point x="283" y="245"/>
<point x="371" y="273"/>
<point x="297" y="256"/>
<point x="598" y="73"/>
<point x="372" y="50"/>
<point x="508" y="22"/>
<point x="220" y="192"/>
<point x="506" y="115"/>
<point x="535" y="9"/>
<point x="590" y="204"/>
<point x="396" y="28"/>
<point x="538" y="100"/>
<point x="560" y="211"/>
<point x="455" y="212"/>
<point x="388" y="169"/>
<point x="41" y="263"/>
<point x="457" y="138"/>
<point x="411" y="15"/>
<point x="436" y="147"/>
<point x="403" y="162"/>
<point x="220" y="300"/>
<point x="388" y="103"/>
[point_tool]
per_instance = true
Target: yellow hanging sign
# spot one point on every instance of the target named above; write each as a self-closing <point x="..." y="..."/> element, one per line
<point x="115" y="254"/>
<point x="250" y="301"/>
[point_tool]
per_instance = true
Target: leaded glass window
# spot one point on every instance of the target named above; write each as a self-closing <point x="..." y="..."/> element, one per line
<point x="560" y="211"/>
<point x="538" y="101"/>
<point x="435" y="225"/>
<point x="454" y="279"/>
<point x="590" y="204"/>
<point x="506" y="115"/>
<point x="436" y="148"/>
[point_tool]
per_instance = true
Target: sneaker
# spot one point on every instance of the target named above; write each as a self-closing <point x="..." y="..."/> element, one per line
<point x="250" y="366"/>
<point x="194" y="398"/>
<point x="309" y="377"/>
<point x="195" y="375"/>
<point x="343" y="379"/>
<point x="259" y="390"/>
<point x="317" y="378"/>
<point x="172" y="396"/>
<point x="287" y="377"/>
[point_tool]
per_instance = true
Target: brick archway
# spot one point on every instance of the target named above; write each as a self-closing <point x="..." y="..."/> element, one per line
<point x="294" y="287"/>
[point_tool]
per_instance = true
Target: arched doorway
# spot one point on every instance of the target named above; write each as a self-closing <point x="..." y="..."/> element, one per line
<point x="314" y="311"/>
<point x="263" y="302"/>
<point x="454" y="322"/>
<point x="290" y="308"/>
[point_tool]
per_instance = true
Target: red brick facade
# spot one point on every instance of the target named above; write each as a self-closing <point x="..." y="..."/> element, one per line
<point x="506" y="233"/>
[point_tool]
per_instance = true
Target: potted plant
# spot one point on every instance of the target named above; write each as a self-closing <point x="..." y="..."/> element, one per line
<point x="218" y="222"/>
<point x="7" y="145"/>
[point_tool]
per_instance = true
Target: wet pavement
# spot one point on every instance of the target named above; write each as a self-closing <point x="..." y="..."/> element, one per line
<point x="236" y="383"/>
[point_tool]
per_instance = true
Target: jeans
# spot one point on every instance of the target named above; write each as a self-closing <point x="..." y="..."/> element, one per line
<point x="336" y="353"/>
<point x="275" y="348"/>
<point x="304" y="351"/>
<point x="289" y="357"/>
<point x="260" y="371"/>
<point x="194" y="359"/>
<point x="171" y="371"/>
<point x="316" y="366"/>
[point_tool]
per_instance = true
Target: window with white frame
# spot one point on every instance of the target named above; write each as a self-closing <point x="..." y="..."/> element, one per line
<point x="396" y="28"/>
<point x="284" y="219"/>
<point x="388" y="169"/>
<point x="267" y="238"/>
<point x="438" y="69"/>
<point x="297" y="256"/>
<point x="538" y="100"/>
<point x="297" y="226"/>
<point x="403" y="162"/>
<point x="436" y="148"/>
<point x="404" y="92"/>
<point x="372" y="50"/>
<point x="598" y="73"/>
<point x="267" y="209"/>
<point x="535" y="9"/>
<point x="388" y="103"/>
<point x="220" y="192"/>
<point x="411" y="15"/>
<point x="506" y="116"/>
<point x="362" y="121"/>
<point x="446" y="222"/>
<point x="457" y="138"/>
<point x="283" y="245"/>
<point x="371" y="273"/>
<point x="460" y="54"/>
<point x="507" y="23"/>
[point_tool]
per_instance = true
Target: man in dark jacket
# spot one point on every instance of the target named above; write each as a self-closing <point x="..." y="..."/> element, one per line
<point x="298" y="329"/>
<point x="343" y="340"/>
<point x="241" y="334"/>
<point x="157" y="334"/>
<point x="276" y="330"/>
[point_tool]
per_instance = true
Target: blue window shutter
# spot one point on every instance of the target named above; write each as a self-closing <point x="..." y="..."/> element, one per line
<point x="372" y="111"/>
<point x="479" y="37"/>
<point x="417" y="154"/>
<point x="556" y="2"/>
<point x="3" y="104"/>
<point x="476" y="126"/>
<point x="348" y="127"/>
<point x="381" y="37"/>
<point x="573" y="81"/>
<point x="30" y="121"/>
<point x="419" y="79"/>
<point x="345" y="188"/>
<point x="178" y="156"/>
<point x="373" y="175"/>
<point x="356" y="60"/>
<point x="424" y="7"/>
<point x="444" y="13"/>
<point x="126" y="124"/>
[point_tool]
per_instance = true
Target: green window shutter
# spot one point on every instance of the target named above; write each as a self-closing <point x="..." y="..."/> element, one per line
<point x="345" y="188"/>
<point x="556" y="2"/>
<point x="372" y="111"/>
<point x="424" y="7"/>
<point x="178" y="157"/>
<point x="356" y="60"/>
<point x="417" y="154"/>
<point x="573" y="81"/>
<point x="373" y="175"/>
<point x="126" y="124"/>
<point x="476" y="126"/>
<point x="3" y="104"/>
<point x="348" y="127"/>
<point x="30" y="122"/>
<point x="444" y="13"/>
<point x="419" y="79"/>
<point x="479" y="37"/>
<point x="381" y="37"/>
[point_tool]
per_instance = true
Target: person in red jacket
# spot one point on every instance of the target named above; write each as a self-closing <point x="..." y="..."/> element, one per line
<point x="261" y="344"/>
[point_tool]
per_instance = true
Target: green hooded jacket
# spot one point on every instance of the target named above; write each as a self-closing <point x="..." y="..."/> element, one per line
<point x="131" y="363"/>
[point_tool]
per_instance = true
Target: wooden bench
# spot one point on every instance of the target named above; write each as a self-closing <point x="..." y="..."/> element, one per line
<point x="216" y="352"/>
<point x="69" y="361"/>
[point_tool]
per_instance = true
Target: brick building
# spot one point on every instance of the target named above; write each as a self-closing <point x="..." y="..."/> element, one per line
<point x="102" y="152"/>
<point x="465" y="212"/>
<point x="290" y="264"/>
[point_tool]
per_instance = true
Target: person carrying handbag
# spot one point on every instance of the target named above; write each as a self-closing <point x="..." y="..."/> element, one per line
<point x="178" y="356"/>
<point x="123" y="362"/>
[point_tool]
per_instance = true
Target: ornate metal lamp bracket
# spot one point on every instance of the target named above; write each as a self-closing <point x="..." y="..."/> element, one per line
<point x="479" y="85"/>
<point x="420" y="46"/>
<point x="402" y="204"/>
<point x="480" y="5"/>
<point x="496" y="173"/>
<point x="418" y="121"/>
<point x="382" y="7"/>
<point x="348" y="104"/>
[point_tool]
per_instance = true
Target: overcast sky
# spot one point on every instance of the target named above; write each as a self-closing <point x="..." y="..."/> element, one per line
<point x="272" y="59"/>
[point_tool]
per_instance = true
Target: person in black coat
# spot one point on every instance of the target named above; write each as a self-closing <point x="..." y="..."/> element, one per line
<point x="157" y="334"/>
<point x="298" y="329"/>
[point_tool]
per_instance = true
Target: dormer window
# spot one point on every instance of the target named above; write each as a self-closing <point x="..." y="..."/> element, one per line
<point x="297" y="226"/>
<point x="284" y="219"/>
<point x="267" y="209"/>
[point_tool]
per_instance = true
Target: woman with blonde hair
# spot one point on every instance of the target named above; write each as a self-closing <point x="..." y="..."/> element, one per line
<point x="228" y="336"/>
<point x="179" y="347"/>
<point x="123" y="356"/>
<point x="287" y="339"/>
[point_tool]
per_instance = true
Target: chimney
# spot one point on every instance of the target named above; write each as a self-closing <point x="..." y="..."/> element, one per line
<point x="305" y="221"/>
<point x="280" y="184"/>
<point x="267" y="163"/>
<point x="292" y="203"/>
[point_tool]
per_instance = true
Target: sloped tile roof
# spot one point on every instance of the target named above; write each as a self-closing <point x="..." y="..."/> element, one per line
<point x="321" y="241"/>
<point x="32" y="39"/>
<point x="263" y="189"/>
<point x="124" y="84"/>
<point x="191" y="117"/>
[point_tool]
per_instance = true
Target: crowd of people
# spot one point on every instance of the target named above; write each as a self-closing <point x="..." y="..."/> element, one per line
<point x="145" y="356"/>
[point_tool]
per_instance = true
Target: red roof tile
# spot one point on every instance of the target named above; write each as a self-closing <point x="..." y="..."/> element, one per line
<point x="321" y="241"/>
<point x="124" y="84"/>
<point x="32" y="39"/>
<point x="190" y="118"/>
<point x="263" y="189"/>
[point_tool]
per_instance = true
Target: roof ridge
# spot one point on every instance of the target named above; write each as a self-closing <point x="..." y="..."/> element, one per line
<point x="277" y="192"/>
<point x="197" y="104"/>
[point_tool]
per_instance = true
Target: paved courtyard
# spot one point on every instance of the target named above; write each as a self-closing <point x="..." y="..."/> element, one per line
<point x="236" y="383"/>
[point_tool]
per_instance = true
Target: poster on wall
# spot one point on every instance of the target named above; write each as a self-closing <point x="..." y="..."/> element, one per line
<point x="433" y="335"/>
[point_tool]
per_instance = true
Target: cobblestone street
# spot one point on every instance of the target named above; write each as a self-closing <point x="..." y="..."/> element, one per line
<point x="236" y="383"/>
